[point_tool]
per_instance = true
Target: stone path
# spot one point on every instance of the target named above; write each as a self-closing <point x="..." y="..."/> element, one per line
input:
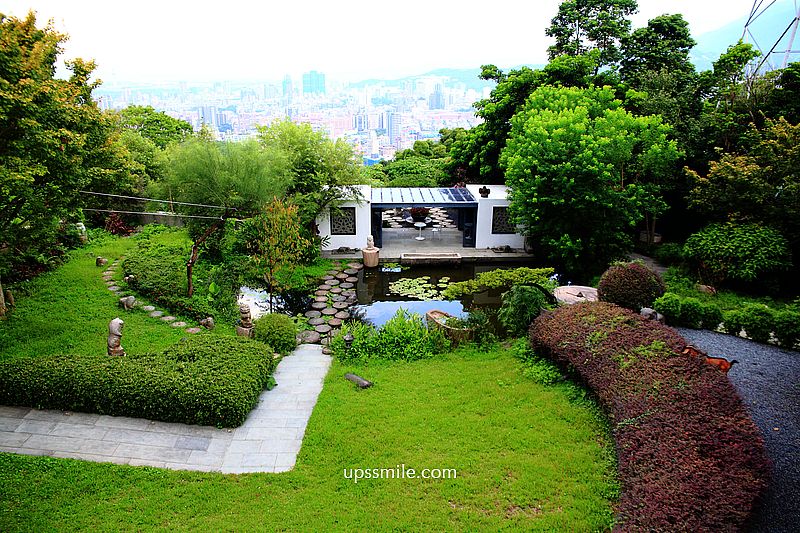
<point x="268" y="441"/>
<point x="108" y="278"/>
<point x="332" y="301"/>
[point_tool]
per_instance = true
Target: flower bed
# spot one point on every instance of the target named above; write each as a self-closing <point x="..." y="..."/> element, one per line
<point x="690" y="457"/>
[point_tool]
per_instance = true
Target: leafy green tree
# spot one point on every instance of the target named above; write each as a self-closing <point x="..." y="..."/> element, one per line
<point x="760" y="184"/>
<point x="322" y="171"/>
<point x="155" y="126"/>
<point x="475" y="157"/>
<point x="415" y="172"/>
<point x="784" y="100"/>
<point x="278" y="244"/>
<point x="584" y="25"/>
<point x="663" y="45"/>
<point x="582" y="172"/>
<point x="53" y="138"/>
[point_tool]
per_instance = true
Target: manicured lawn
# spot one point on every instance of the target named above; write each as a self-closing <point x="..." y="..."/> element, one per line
<point x="68" y="310"/>
<point x="527" y="457"/>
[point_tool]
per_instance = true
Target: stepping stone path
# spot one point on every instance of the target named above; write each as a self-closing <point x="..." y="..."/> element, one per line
<point x="332" y="300"/>
<point x="151" y="310"/>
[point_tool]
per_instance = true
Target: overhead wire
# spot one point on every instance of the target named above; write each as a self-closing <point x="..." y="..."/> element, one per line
<point x="156" y="213"/>
<point x="155" y="200"/>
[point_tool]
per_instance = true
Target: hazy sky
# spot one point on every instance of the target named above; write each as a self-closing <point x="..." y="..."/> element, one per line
<point x="149" y="40"/>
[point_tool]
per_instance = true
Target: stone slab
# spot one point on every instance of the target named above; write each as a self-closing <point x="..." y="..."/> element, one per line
<point x="193" y="331"/>
<point x="148" y="308"/>
<point x="156" y="314"/>
<point x="329" y="311"/>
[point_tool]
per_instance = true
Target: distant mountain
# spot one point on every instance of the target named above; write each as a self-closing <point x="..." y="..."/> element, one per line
<point x="467" y="76"/>
<point x="766" y="30"/>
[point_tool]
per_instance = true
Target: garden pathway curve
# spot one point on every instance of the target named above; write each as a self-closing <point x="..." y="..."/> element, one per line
<point x="268" y="441"/>
<point x="768" y="380"/>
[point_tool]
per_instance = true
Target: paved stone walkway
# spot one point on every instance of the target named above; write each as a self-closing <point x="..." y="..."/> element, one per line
<point x="268" y="441"/>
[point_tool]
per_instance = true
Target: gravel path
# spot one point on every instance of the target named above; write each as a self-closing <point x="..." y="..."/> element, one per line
<point x="768" y="380"/>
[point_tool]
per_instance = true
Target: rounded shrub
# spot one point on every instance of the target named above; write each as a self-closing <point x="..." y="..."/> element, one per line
<point x="787" y="327"/>
<point x="276" y="330"/>
<point x="732" y="322"/>
<point x="736" y="252"/>
<point x="669" y="305"/>
<point x="691" y="313"/>
<point x="630" y="285"/>
<point x="710" y="316"/>
<point x="758" y="321"/>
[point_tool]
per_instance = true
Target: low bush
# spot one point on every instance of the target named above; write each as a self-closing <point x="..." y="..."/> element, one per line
<point x="669" y="254"/>
<point x="277" y="330"/>
<point x="757" y="321"/>
<point x="521" y="304"/>
<point x="669" y="305"/>
<point x="500" y="279"/>
<point x="159" y="272"/>
<point x="710" y="316"/>
<point x="203" y="380"/>
<point x="690" y="457"/>
<point x="732" y="322"/>
<point x="691" y="313"/>
<point x="404" y="337"/>
<point x="736" y="252"/>
<point x="787" y="327"/>
<point x="630" y="285"/>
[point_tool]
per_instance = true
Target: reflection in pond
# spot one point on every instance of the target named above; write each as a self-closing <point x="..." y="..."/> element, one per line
<point x="381" y="294"/>
<point x="289" y="302"/>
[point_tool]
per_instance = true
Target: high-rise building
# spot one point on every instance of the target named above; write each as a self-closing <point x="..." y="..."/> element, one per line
<point x="288" y="89"/>
<point x="436" y="99"/>
<point x="393" y="123"/>
<point x="313" y="83"/>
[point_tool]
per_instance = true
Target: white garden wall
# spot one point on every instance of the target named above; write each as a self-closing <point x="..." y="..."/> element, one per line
<point x="484" y="238"/>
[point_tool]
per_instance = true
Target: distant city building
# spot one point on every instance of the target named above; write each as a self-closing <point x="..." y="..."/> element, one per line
<point x="313" y="83"/>
<point x="288" y="89"/>
<point x="393" y="124"/>
<point x="436" y="99"/>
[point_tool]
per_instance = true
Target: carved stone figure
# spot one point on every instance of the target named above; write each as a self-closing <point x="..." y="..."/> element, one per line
<point x="82" y="235"/>
<point x="100" y="261"/>
<point x="370" y="242"/>
<point x="127" y="302"/>
<point x="115" y="337"/>
<point x="207" y="322"/>
<point x="129" y="279"/>
<point x="245" y="327"/>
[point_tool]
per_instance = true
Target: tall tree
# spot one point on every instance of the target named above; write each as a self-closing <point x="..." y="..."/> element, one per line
<point x="156" y="126"/>
<point x="53" y="138"/>
<point x="582" y="173"/>
<point x="278" y="244"/>
<point x="584" y="25"/>
<point x="322" y="171"/>
<point x="476" y="156"/>
<point x="663" y="45"/>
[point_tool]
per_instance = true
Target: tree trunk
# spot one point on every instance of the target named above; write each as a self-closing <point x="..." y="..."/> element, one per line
<point x="2" y="300"/>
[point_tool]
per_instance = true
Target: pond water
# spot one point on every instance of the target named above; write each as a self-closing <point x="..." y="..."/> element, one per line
<point x="290" y="303"/>
<point x="378" y="298"/>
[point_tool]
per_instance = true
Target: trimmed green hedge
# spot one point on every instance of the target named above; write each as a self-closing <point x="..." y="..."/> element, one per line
<point x="213" y="381"/>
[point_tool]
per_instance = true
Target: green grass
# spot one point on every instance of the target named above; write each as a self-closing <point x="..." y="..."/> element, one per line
<point x="67" y="311"/>
<point x="528" y="457"/>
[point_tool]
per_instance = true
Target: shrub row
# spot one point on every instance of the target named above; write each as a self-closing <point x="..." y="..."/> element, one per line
<point x="404" y="337"/>
<point x="213" y="381"/>
<point x="758" y="321"/>
<point x="690" y="457"/>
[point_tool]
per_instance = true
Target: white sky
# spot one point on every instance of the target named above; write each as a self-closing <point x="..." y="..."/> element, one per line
<point x="160" y="40"/>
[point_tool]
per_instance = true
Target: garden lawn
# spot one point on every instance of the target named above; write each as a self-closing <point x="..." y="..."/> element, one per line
<point x="67" y="311"/>
<point x="528" y="456"/>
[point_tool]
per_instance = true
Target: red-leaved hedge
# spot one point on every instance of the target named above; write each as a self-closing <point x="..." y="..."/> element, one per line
<point x="690" y="457"/>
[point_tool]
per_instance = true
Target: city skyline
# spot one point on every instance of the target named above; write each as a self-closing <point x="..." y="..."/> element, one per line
<point x="179" y="41"/>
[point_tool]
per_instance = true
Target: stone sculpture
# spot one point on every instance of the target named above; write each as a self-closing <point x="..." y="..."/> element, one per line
<point x="115" y="337"/>
<point x="245" y="327"/>
<point x="127" y="302"/>
<point x="208" y="322"/>
<point x="370" y="253"/>
<point x="370" y="242"/>
<point x="100" y="261"/>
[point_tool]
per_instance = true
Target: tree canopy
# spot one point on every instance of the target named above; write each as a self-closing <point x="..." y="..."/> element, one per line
<point x="54" y="139"/>
<point x="583" y="172"/>
<point x="156" y="126"/>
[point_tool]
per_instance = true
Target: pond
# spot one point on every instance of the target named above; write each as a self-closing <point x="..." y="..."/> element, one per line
<point x="290" y="303"/>
<point x="417" y="289"/>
